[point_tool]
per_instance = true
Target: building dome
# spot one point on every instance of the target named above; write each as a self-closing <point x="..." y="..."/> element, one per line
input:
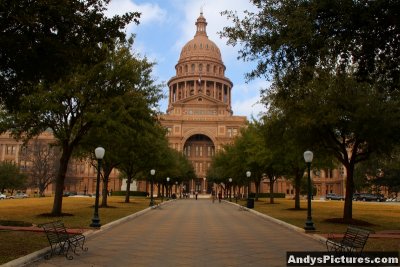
<point x="200" y="47"/>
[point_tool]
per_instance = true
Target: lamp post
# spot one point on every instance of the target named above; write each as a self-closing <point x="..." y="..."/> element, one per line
<point x="248" y="174"/>
<point x="152" y="172"/>
<point x="230" y="189"/>
<point x="99" y="152"/>
<point x="308" y="157"/>
<point x="167" y="191"/>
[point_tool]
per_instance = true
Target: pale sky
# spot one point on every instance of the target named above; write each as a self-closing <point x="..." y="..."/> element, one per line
<point x="167" y="25"/>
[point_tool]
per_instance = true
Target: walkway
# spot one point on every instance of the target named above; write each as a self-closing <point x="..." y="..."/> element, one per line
<point x="192" y="233"/>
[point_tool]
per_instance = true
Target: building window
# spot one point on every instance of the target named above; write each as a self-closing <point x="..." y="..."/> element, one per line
<point x="169" y="131"/>
<point x="10" y="150"/>
<point x="229" y="132"/>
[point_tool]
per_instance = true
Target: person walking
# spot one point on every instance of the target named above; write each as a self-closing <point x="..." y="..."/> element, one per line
<point x="220" y="196"/>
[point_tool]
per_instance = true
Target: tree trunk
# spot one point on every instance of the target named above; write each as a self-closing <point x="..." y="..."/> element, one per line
<point x="105" y="192"/>
<point x="348" y="202"/>
<point x="58" y="197"/>
<point x="106" y="173"/>
<point x="297" y="185"/>
<point x="128" y="189"/>
<point x="257" y="185"/>
<point x="271" y="190"/>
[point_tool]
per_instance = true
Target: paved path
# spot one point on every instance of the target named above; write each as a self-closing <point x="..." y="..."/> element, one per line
<point x="192" y="233"/>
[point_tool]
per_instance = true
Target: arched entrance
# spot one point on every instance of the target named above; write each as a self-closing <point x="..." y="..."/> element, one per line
<point x="199" y="149"/>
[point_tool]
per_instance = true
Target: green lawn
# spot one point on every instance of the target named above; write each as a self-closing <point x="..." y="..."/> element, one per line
<point x="13" y="244"/>
<point x="371" y="215"/>
<point x="80" y="211"/>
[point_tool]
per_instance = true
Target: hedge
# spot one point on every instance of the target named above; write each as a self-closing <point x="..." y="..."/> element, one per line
<point x="131" y="193"/>
<point x="268" y="195"/>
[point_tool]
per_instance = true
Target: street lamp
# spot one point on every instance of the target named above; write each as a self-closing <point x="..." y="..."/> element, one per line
<point x="248" y="174"/>
<point x="152" y="172"/>
<point x="308" y="157"/>
<point x="167" y="188"/>
<point x="99" y="152"/>
<point x="230" y="189"/>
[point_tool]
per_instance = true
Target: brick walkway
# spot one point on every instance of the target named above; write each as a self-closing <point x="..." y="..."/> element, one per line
<point x="191" y="233"/>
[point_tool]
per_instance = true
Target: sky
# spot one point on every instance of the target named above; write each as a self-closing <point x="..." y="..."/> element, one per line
<point x="167" y="25"/>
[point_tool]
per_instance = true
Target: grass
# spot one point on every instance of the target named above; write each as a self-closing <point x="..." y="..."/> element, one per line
<point x="326" y="214"/>
<point x="14" y="244"/>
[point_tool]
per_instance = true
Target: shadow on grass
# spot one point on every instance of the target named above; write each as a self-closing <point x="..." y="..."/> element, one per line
<point x="352" y="222"/>
<point x="294" y="209"/>
<point x="267" y="203"/>
<point x="15" y="223"/>
<point x="51" y="215"/>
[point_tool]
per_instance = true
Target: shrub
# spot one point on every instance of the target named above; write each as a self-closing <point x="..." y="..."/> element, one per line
<point x="267" y="195"/>
<point x="131" y="193"/>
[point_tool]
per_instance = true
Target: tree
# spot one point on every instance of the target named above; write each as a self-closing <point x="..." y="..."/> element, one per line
<point x="43" y="158"/>
<point x="65" y="98"/>
<point x="334" y="67"/>
<point x="383" y="171"/>
<point x="46" y="41"/>
<point x="74" y="105"/>
<point x="10" y="177"/>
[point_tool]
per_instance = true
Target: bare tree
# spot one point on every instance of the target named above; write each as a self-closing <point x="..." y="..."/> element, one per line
<point x="41" y="163"/>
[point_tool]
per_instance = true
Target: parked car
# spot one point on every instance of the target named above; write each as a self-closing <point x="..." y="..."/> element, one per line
<point x="370" y="197"/>
<point x="356" y="196"/>
<point x="19" y="195"/>
<point x="2" y="196"/>
<point x="332" y="196"/>
<point x="69" y="194"/>
<point x="81" y="195"/>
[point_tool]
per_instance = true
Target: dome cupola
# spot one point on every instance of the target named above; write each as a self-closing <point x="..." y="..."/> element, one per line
<point x="200" y="46"/>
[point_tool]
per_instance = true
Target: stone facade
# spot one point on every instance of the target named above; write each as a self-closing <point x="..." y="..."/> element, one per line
<point x="81" y="174"/>
<point x="199" y="118"/>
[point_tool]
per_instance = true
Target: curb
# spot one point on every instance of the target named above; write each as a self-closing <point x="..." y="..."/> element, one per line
<point x="37" y="255"/>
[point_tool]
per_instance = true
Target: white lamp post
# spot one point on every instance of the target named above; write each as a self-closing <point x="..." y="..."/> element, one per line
<point x="308" y="157"/>
<point x="99" y="153"/>
<point x="152" y="172"/>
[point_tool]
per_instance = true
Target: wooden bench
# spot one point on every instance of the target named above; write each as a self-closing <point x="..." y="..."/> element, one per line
<point x="61" y="241"/>
<point x="353" y="241"/>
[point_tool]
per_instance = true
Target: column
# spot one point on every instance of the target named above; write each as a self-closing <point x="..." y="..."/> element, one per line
<point x="214" y="90"/>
